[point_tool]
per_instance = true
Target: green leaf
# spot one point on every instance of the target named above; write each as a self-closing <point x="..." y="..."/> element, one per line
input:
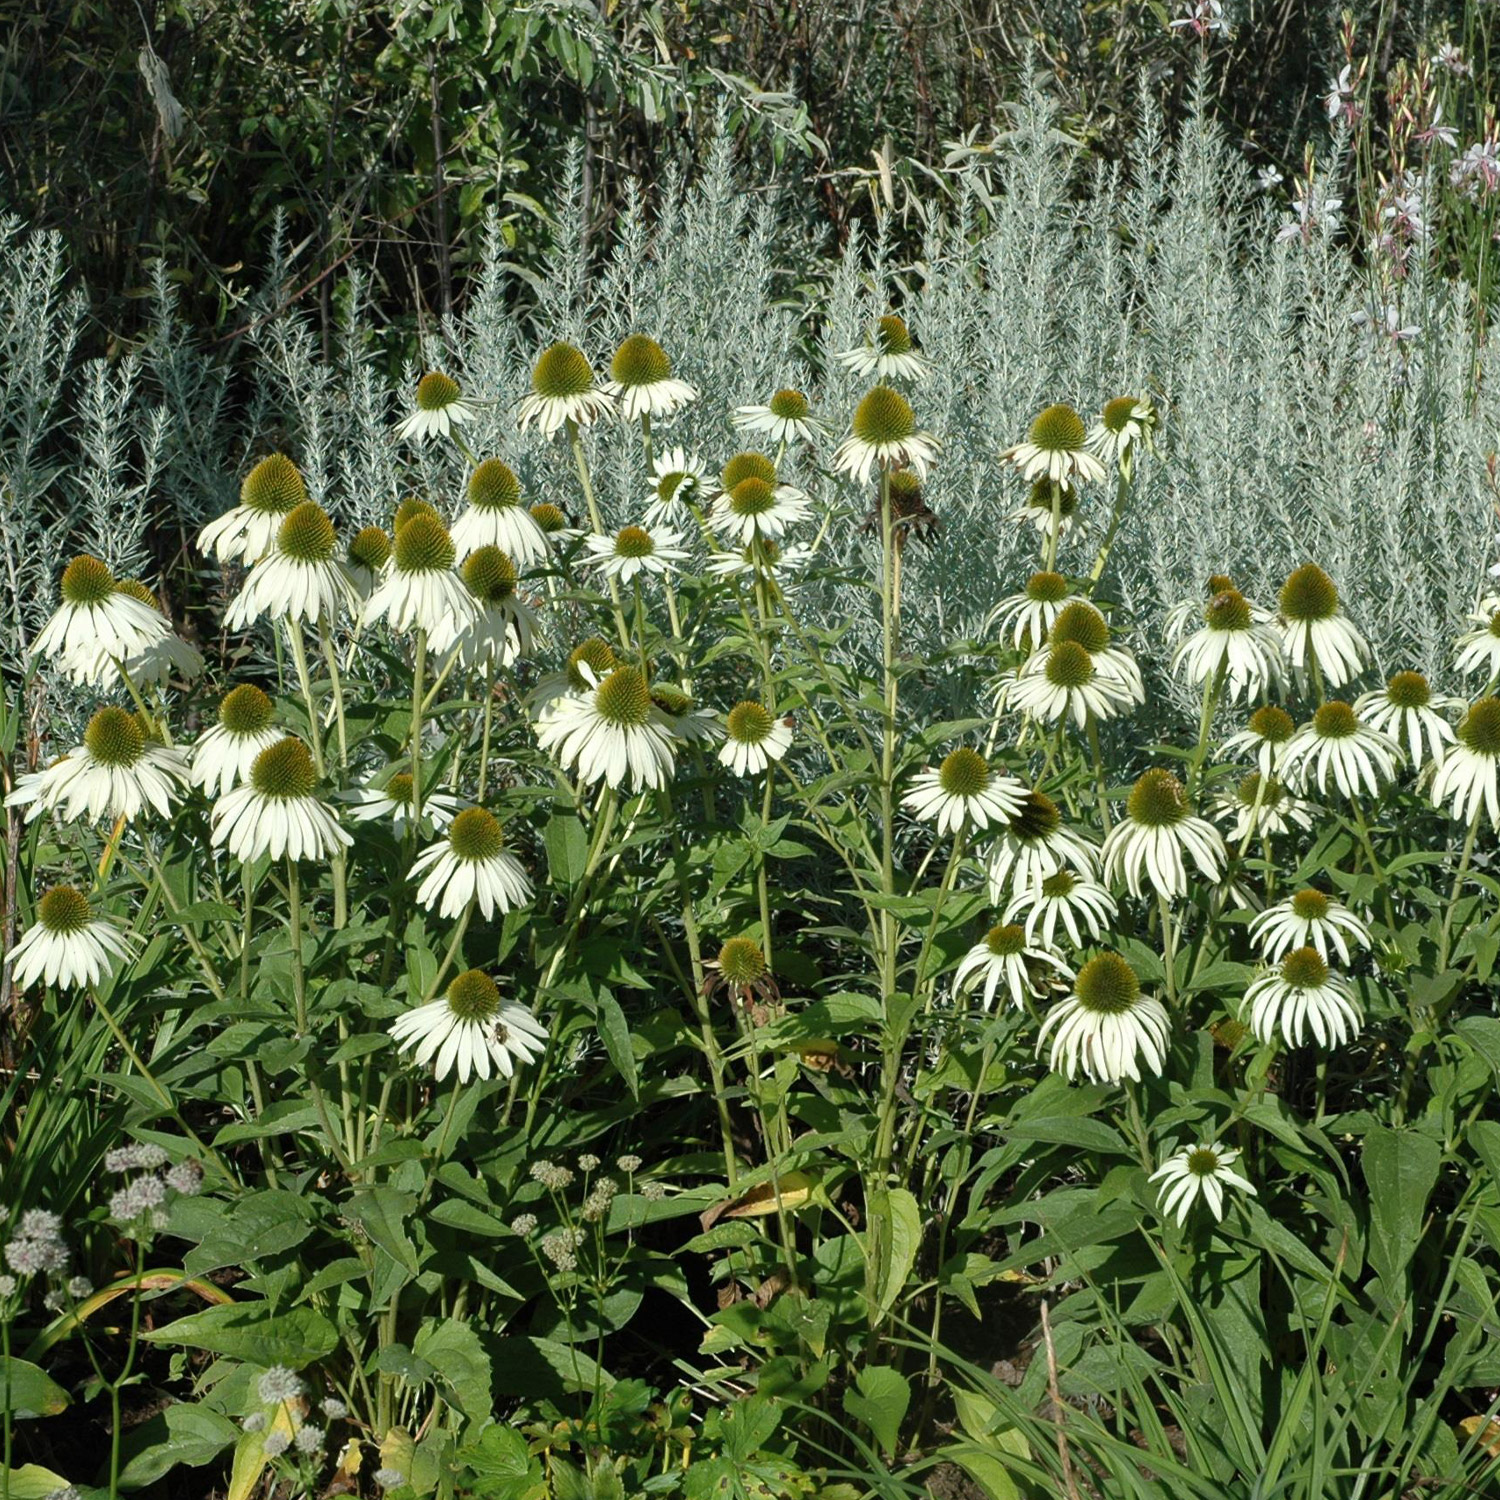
<point x="383" y="1211"/>
<point x="33" y="1482"/>
<point x="896" y="1222"/>
<point x="1401" y="1169"/>
<point x="1482" y="1033"/>
<point x="32" y="1392"/>
<point x="255" y="1332"/>
<point x="879" y="1400"/>
<point x="183" y="1434"/>
<point x="614" y="1030"/>
<point x="567" y="848"/>
<point x="463" y="1368"/>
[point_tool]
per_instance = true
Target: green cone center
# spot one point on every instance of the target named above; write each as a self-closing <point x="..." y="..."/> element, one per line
<point x="1107" y="985"/>
<point x="115" y="737"/>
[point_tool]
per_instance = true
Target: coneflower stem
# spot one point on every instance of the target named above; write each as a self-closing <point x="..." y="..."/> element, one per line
<point x="575" y="441"/>
<point x="1213" y="686"/>
<point x="304" y="679"/>
<point x="330" y="655"/>
<point x="1458" y="883"/>
<point x="1101" y="783"/>
<point x="419" y="669"/>
<point x="1055" y="529"/>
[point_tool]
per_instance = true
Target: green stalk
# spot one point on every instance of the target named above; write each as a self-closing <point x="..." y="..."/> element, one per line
<point x="484" y="743"/>
<point x="1169" y="948"/>
<point x="1054" y="531"/>
<point x="1458" y="882"/>
<point x="331" y="657"/>
<point x="575" y="441"/>
<point x="419" y="669"/>
<point x="1116" y="515"/>
<point x="1101" y="781"/>
<point x="304" y="678"/>
<point x="1212" y="688"/>
<point x="299" y="994"/>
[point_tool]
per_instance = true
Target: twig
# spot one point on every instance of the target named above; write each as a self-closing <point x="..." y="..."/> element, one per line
<point x="1057" y="1408"/>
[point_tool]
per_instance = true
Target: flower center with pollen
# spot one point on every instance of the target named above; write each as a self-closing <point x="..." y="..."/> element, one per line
<point x="596" y="654"/>
<point x="640" y="361"/>
<point x="1203" y="1161"/>
<point x="63" y="910"/>
<point x="1272" y="724"/>
<point x="634" y="541"/>
<point x="489" y="574"/>
<point x="1310" y="905"/>
<point x="1106" y="985"/>
<point x="245" y="710"/>
<point x="549" y="517"/>
<point x="790" y="406"/>
<point x="114" y="737"/>
<point x="1304" y="969"/>
<point x="669" y="484"/>
<point x="892" y="335"/>
<point x="747" y="466"/>
<point x="964" y="773"/>
<point x="273" y="487"/>
<point x="752" y="497"/>
<point x="623" y="698"/>
<point x="741" y="961"/>
<point x="475" y="836"/>
<point x="1250" y="787"/>
<point x="1069" y="665"/>
<point x="1058" y="429"/>
<point x="1480" y="730"/>
<point x="749" y="723"/>
<point x="1335" y="721"/>
<point x="884" y="416"/>
<point x="1047" y="588"/>
<point x="473" y="996"/>
<point x="371" y="548"/>
<point x="436" y="390"/>
<point x="284" y="770"/>
<point x="1119" y="413"/>
<point x="1220" y="583"/>
<point x="86" y="581"/>
<point x="494" y="486"/>
<point x="1408" y="690"/>
<point x="560" y="371"/>
<point x="1039" y="498"/>
<point x="1494" y="625"/>
<point x="398" y="789"/>
<point x="1082" y="623"/>
<point x="1005" y="941"/>
<point x="424" y="546"/>
<point x="1309" y="594"/>
<point x="137" y="591"/>
<point x="307" y="534"/>
<point x="409" y="509"/>
<point x="1059" y="885"/>
<point x="1157" y="800"/>
<point x="1228" y="610"/>
<point x="1037" y="818"/>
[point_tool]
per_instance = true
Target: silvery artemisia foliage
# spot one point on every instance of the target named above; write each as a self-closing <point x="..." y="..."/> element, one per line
<point x="1289" y="431"/>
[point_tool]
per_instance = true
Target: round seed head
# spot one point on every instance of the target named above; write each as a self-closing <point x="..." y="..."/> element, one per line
<point x="1005" y="941"/>
<point x="1304" y="969"/>
<point x="624" y="698"/>
<point x="137" y="591"/>
<point x="595" y="653"/>
<point x="1069" y="665"/>
<point x="748" y="466"/>
<point x="964" y="772"/>
<point x="273" y="487"/>
<point x="284" y="770"/>
<point x="748" y="723"/>
<point x="741" y="961"/>
<point x="410" y="508"/>
<point x="1335" y="721"/>
<point x="790" y="406"/>
<point x="1310" y="905"/>
<point x="115" y="737"/>
<point x="634" y="541"/>
<point x="489" y="574"/>
<point x="473" y="996"/>
<point x="906" y="493"/>
<point x="1272" y="724"/>
<point x="399" y="788"/>
<point x="63" y="909"/>
<point x="549" y="517"/>
<point x="562" y="370"/>
<point x="1202" y="1161"/>
<point x="752" y="497"/>
<point x="1118" y="413"/>
<point x="1309" y="594"/>
<point x="436" y="390"/>
<point x="884" y="416"/>
<point x="307" y="534"/>
<point x="1059" y="884"/>
<point x="424" y="546"/>
<point x="892" y="336"/>
<point x="1250" y="785"/>
<point x="1107" y="985"/>
<point x="1408" y="690"/>
<point x="1047" y="588"/>
<point x="1082" y="623"/>
<point x="1157" y="800"/>
<point x="1494" y="625"/>
<point x="87" y="581"/>
<point x="475" y="835"/>
<point x="1038" y="818"/>
<point x="1228" y="610"/>
<point x="494" y="486"/>
<point x="670" y="700"/>
<point x="640" y="361"/>
<point x="245" y="710"/>
<point x="1039" y="498"/>
<point x="1058" y="429"/>
<point x="1480" y="730"/>
<point x="371" y="548"/>
<point x="1219" y="583"/>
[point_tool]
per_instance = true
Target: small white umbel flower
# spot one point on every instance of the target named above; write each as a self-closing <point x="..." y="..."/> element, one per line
<point x="270" y="492"/>
<point x="562" y="391"/>
<point x="275" y="811"/>
<point x="97" y="617"/>
<point x="1122" y="425"/>
<point x="1479" y="650"/>
<point x="419" y="589"/>
<point x="1466" y="781"/>
<point x="1315" y="629"/>
<point x="884" y="432"/>
<point x="785" y="418"/>
<point x="1158" y="838"/>
<point x="471" y="864"/>
<point x="502" y="628"/>
<point x="677" y="479"/>
<point x="1107" y="1028"/>
<point x="1083" y="907"/>
<point x="301" y="577"/>
<point x="641" y="381"/>
<point x="1005" y="956"/>
<point x="390" y="800"/>
<point x="223" y="754"/>
<point x="1334" y="746"/>
<point x="888" y="353"/>
<point x="1247" y="651"/>
<point x="1261" y="804"/>
<point x="1056" y="448"/>
<point x="1198" y="1172"/>
<point x="495" y="517"/>
<point x="1303" y="1001"/>
<point x="753" y="502"/>
<point x="117" y="772"/>
<point x="1036" y="844"/>
<point x="1308" y="918"/>
<point x="440" y="408"/>
<point x="753" y="739"/>
<point x="636" y="550"/>
<point x="965" y="791"/>
<point x="1030" y="614"/>
<point x="471" y="1029"/>
<point x="67" y="945"/>
<point x="612" y="733"/>
<point x="1409" y="712"/>
<point x="1265" y="736"/>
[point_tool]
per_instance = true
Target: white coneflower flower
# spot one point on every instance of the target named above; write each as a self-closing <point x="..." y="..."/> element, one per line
<point x="585" y="666"/>
<point x="1064" y="680"/>
<point x="1315" y="630"/>
<point x="155" y="666"/>
<point x="562" y="391"/>
<point x="96" y="616"/>
<point x="641" y="380"/>
<point x="271" y="491"/>
<point x="884" y="432"/>
<point x="965" y="790"/>
<point x="116" y="772"/>
<point x="378" y="801"/>
<point x="1263" y="804"/>
<point x="67" y="945"/>
<point x="368" y="552"/>
<point x="753" y="739"/>
<point x="887" y="352"/>
<point x="785" y="418"/>
<point x="1036" y="844"/>
<point x="1157" y="838"/>
<point x="470" y="1028"/>
<point x="634" y="550"/>
<point x="555" y="524"/>
<point x="1030" y="614"/>
<point x="502" y="627"/>
<point x="1080" y="904"/>
<point x="1308" y="918"/>
<point x="1267" y="734"/>
<point x="1082" y="622"/>
<point x="1036" y="509"/>
<point x="1107" y="1028"/>
<point x="1186" y="613"/>
<point x="1122" y="424"/>
<point x="495" y="517"/>
<point x="275" y="812"/>
<point x="612" y="733"/>
<point x="690" y="722"/>
<point x="1333" y="744"/>
<point x="1198" y="1172"/>
<point x="300" y="576"/>
<point x="1055" y="448"/>
<point x="676" y="479"/>
<point x="419" y="589"/>
<point x="1409" y="712"/>
<point x="1232" y="641"/>
<point x="763" y="556"/>
<point x="1479" y="650"/>
<point x="471" y="864"/>
<point x="1466" y="780"/>
<point x="440" y="408"/>
<point x="1303" y="998"/>
<point x="1003" y="956"/>
<point x="222" y="755"/>
<point x="753" y="503"/>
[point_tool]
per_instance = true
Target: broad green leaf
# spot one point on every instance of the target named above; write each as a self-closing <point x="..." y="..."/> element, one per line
<point x="614" y="1030"/>
<point x="383" y="1211"/>
<point x="463" y="1368"/>
<point x="31" y="1391"/>
<point x="896" y="1224"/>
<point x="255" y="1332"/>
<point x="879" y="1399"/>
<point x="1401" y="1169"/>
